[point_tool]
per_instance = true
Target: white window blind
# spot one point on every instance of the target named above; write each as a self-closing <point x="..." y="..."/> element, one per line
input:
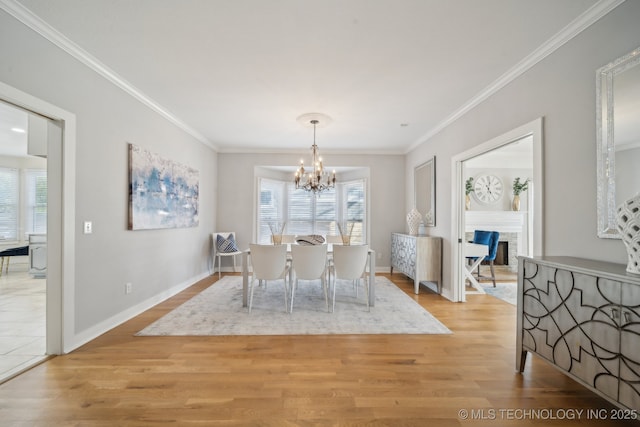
<point x="354" y="210"/>
<point x="270" y="207"/>
<point x="308" y="213"/>
<point x="36" y="197"/>
<point x="8" y="204"/>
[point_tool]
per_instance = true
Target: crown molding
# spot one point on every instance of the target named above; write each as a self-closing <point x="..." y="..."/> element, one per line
<point x="582" y="22"/>
<point x="28" y="18"/>
<point x="256" y="150"/>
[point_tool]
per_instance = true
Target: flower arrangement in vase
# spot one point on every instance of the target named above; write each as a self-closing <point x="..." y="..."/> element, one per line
<point x="518" y="187"/>
<point x="346" y="230"/>
<point x="277" y="228"/>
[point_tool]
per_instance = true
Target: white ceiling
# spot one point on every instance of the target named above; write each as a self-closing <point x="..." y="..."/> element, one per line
<point x="237" y="74"/>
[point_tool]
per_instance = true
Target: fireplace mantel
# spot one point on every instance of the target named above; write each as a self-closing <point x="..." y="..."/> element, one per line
<point x="501" y="221"/>
<point x="511" y="225"/>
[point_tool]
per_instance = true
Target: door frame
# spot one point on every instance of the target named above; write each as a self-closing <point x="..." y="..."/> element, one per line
<point x="533" y="129"/>
<point x="61" y="198"/>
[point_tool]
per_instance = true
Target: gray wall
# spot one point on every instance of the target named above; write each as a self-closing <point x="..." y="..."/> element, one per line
<point x="107" y="119"/>
<point x="561" y="88"/>
<point x="236" y="198"/>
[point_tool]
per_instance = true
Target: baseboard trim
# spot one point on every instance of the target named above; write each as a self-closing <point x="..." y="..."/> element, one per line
<point x="93" y="332"/>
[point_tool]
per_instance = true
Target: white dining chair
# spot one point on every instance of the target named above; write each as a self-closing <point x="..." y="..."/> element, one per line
<point x="224" y="245"/>
<point x="309" y="262"/>
<point x="350" y="263"/>
<point x="269" y="262"/>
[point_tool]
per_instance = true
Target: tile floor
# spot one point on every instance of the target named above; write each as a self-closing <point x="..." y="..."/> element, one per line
<point x="22" y="322"/>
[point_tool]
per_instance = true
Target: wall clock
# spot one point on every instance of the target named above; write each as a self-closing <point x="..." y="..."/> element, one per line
<point x="488" y="188"/>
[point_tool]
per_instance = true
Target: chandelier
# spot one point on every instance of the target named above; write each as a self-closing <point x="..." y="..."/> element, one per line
<point x="317" y="180"/>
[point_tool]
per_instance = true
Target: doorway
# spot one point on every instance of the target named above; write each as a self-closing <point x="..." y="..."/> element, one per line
<point x="496" y="210"/>
<point x="23" y="236"/>
<point x="60" y="247"/>
<point x="531" y="243"/>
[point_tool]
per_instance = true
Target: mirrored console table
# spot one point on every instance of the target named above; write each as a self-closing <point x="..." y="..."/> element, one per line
<point x="418" y="257"/>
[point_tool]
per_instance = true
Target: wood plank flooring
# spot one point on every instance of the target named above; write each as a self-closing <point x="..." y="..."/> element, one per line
<point x="342" y="380"/>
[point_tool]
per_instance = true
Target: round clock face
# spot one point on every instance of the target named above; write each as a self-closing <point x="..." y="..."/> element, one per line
<point x="488" y="188"/>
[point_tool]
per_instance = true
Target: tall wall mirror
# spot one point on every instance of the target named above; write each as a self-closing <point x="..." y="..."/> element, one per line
<point x="424" y="184"/>
<point x="618" y="137"/>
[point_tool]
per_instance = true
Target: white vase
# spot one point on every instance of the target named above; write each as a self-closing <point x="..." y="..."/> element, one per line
<point x="516" y="203"/>
<point x="422" y="230"/>
<point x="413" y="221"/>
<point x="628" y="219"/>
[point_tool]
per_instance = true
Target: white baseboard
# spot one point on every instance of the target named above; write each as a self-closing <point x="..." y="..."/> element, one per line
<point x="87" y="335"/>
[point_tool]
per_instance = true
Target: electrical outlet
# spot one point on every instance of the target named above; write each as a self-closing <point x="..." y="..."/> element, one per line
<point x="88" y="227"/>
<point x="127" y="288"/>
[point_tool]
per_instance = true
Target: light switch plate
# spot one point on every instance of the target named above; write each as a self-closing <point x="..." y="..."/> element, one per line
<point x="88" y="227"/>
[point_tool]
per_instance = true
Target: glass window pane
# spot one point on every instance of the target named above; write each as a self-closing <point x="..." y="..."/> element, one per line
<point x="8" y="204"/>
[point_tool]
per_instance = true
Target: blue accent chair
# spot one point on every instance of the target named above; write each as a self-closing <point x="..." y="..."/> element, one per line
<point x="489" y="238"/>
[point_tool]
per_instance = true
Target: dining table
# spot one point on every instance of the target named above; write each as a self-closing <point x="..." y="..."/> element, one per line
<point x="371" y="261"/>
<point x="479" y="252"/>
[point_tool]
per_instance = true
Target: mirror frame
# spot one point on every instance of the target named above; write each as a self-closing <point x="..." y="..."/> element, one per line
<point x="606" y="191"/>
<point x="421" y="173"/>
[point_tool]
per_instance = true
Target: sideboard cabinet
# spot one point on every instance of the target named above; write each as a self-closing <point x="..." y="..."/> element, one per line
<point x="582" y="316"/>
<point x="418" y="257"/>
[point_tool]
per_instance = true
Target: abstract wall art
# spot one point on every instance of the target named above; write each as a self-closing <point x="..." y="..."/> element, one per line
<point x="162" y="193"/>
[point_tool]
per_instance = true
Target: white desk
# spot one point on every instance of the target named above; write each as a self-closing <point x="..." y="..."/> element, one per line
<point x="372" y="274"/>
<point x="474" y="250"/>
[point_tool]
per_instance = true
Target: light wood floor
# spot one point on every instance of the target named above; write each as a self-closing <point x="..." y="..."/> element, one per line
<point x="395" y="380"/>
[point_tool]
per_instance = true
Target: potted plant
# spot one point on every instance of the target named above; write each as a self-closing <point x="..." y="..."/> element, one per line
<point x="468" y="189"/>
<point x="518" y="187"/>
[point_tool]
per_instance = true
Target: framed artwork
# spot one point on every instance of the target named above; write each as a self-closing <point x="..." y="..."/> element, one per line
<point x="162" y="193"/>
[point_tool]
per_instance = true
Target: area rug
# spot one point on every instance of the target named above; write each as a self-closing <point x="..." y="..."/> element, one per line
<point x="505" y="291"/>
<point x="218" y="311"/>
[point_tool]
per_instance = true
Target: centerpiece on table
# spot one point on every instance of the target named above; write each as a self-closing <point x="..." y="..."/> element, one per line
<point x="277" y="229"/>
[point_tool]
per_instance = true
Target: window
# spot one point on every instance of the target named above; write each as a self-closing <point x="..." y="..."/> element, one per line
<point x="307" y="213"/>
<point x="36" y="201"/>
<point x="354" y="209"/>
<point x="270" y="207"/>
<point x="8" y="204"/>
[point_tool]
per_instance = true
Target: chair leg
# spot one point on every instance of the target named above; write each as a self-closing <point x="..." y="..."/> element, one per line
<point x="366" y="289"/>
<point x="333" y="307"/>
<point x="219" y="266"/>
<point x="326" y="293"/>
<point x="293" y="291"/>
<point x="493" y="274"/>
<point x="251" y="294"/>
<point x="286" y="296"/>
<point x="234" y="263"/>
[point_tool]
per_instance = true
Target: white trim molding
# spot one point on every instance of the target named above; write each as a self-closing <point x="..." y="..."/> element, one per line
<point x="28" y="18"/>
<point x="533" y="129"/>
<point x="582" y="22"/>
